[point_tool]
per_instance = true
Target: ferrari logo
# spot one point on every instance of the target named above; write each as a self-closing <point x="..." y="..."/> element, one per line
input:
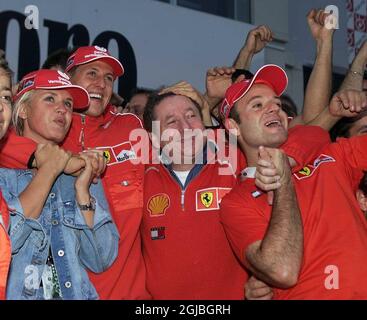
<point x="207" y="198"/>
<point x="107" y="155"/>
<point x="305" y="171"/>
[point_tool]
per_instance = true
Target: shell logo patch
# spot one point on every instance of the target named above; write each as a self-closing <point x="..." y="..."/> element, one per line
<point x="158" y="204"/>
<point x="210" y="198"/>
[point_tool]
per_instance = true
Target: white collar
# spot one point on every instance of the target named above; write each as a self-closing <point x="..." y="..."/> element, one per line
<point x="248" y="172"/>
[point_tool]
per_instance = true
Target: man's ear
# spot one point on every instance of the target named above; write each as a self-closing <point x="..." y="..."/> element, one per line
<point x="232" y="126"/>
<point x="362" y="200"/>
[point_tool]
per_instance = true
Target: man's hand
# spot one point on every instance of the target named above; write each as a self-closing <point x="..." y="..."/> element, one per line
<point x="257" y="290"/>
<point x="316" y="20"/>
<point x="218" y="80"/>
<point x="348" y="103"/>
<point x="257" y="39"/>
<point x="184" y="88"/>
<point x="267" y="176"/>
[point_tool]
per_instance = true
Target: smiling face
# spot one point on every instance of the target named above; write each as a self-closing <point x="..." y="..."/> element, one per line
<point x="47" y="116"/>
<point x="262" y="120"/>
<point x="5" y="102"/>
<point x="181" y="126"/>
<point x="97" y="78"/>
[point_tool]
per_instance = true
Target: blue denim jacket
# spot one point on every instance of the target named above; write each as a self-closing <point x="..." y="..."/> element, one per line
<point x="74" y="246"/>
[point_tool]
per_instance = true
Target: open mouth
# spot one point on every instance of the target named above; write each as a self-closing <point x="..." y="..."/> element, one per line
<point x="273" y="124"/>
<point x="95" y="96"/>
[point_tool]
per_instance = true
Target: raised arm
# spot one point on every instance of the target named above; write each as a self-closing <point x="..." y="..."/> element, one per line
<point x="354" y="77"/>
<point x="51" y="160"/>
<point x="256" y="40"/>
<point x="318" y="88"/>
<point x="277" y="258"/>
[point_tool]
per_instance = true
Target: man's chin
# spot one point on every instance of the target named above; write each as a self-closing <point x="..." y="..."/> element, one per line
<point x="96" y="108"/>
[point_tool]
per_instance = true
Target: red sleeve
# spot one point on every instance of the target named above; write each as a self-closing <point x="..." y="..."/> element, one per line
<point x="353" y="151"/>
<point x="305" y="143"/>
<point x="15" y="151"/>
<point x="244" y="218"/>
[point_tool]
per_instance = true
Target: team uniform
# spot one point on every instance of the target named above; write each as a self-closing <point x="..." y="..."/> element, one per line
<point x="5" y="247"/>
<point x="335" y="229"/>
<point x="123" y="186"/>
<point x="185" y="248"/>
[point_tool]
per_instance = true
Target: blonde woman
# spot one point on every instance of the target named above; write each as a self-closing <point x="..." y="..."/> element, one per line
<point x="60" y="226"/>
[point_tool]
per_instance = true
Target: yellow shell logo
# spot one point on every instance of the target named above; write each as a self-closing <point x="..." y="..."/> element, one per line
<point x="158" y="204"/>
<point x="107" y="155"/>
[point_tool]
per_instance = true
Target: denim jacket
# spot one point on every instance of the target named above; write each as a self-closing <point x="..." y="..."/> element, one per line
<point x="61" y="228"/>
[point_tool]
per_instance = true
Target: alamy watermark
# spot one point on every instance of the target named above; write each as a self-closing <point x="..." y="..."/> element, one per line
<point x="32" y="19"/>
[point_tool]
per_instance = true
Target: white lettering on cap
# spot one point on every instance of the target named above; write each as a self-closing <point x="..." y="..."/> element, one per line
<point x="100" y="49"/>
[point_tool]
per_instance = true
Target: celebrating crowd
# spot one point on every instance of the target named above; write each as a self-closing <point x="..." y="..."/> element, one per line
<point x="240" y="197"/>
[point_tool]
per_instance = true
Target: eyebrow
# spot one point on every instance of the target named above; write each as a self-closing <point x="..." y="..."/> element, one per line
<point x="96" y="69"/>
<point x="256" y="97"/>
<point x="3" y="88"/>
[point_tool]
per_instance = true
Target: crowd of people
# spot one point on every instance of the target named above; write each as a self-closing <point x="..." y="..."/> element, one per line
<point x="242" y="197"/>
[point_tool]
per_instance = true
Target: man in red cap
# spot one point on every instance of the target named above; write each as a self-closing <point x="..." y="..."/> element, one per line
<point x="300" y="244"/>
<point x="94" y="69"/>
<point x="181" y="232"/>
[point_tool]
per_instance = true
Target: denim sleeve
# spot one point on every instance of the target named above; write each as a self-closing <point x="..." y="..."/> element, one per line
<point x="20" y="228"/>
<point x="98" y="245"/>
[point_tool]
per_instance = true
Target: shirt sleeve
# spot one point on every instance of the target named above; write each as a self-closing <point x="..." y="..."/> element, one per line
<point x="16" y="151"/>
<point x="243" y="220"/>
<point x="305" y="143"/>
<point x="98" y="245"/>
<point x="353" y="151"/>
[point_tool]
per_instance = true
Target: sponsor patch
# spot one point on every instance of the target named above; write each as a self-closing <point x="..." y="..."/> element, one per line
<point x="119" y="153"/>
<point x="107" y="155"/>
<point x="207" y="198"/>
<point x="256" y="194"/>
<point x="322" y="158"/>
<point x="210" y="198"/>
<point x="158" y="233"/>
<point x="308" y="170"/>
<point x="158" y="204"/>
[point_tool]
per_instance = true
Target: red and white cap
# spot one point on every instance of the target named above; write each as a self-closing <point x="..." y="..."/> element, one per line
<point x="92" y="53"/>
<point x="270" y="75"/>
<point x="52" y="80"/>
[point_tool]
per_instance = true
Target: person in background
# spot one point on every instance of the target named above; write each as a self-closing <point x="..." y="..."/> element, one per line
<point x="137" y="102"/>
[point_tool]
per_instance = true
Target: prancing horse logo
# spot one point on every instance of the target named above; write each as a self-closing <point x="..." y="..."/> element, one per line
<point x="206" y="198"/>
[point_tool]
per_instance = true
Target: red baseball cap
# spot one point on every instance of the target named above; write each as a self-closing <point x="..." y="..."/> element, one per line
<point x="91" y="53"/>
<point x="53" y="79"/>
<point x="270" y="75"/>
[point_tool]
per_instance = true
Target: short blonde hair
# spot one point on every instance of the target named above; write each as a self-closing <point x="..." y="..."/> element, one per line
<point x="18" y="122"/>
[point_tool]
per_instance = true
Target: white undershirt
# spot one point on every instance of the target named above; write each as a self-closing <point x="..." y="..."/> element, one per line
<point x="182" y="175"/>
